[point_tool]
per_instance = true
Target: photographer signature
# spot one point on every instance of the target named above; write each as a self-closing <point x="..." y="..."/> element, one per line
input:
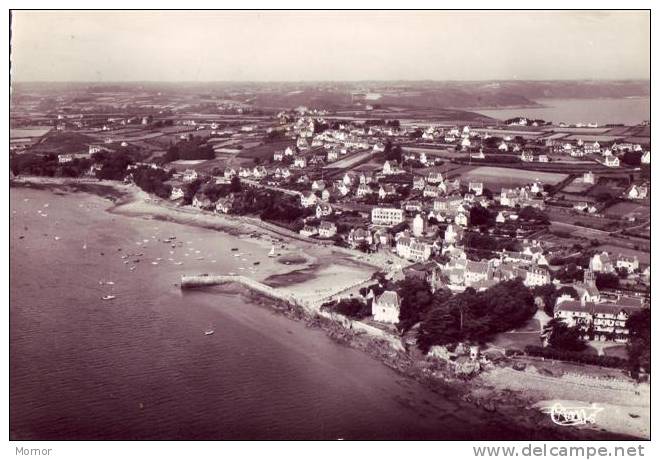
<point x="573" y="416"/>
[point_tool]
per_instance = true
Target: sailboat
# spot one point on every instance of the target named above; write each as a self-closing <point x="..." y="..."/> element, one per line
<point x="85" y="245"/>
<point x="272" y="251"/>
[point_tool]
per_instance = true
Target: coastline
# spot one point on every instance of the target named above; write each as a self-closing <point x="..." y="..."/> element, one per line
<point x="518" y="407"/>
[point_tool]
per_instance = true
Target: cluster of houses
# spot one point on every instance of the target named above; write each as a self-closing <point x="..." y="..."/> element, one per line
<point x="598" y="318"/>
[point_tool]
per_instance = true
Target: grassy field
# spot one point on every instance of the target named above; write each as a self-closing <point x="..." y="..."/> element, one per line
<point x="577" y="186"/>
<point x="580" y="232"/>
<point x="496" y="178"/>
<point x="628" y="209"/>
<point x="264" y="151"/>
<point x="35" y="131"/>
<point x="64" y="143"/>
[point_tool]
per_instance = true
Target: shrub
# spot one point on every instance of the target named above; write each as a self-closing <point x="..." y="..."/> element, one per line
<point x="573" y="356"/>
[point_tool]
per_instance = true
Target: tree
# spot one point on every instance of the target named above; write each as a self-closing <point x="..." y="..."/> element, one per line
<point x="533" y="214"/>
<point x="632" y="158"/>
<point x="353" y="308"/>
<point x="481" y="216"/>
<point x="564" y="337"/>
<point x="607" y="281"/>
<point x="235" y="185"/>
<point x="416" y="297"/>
<point x="476" y="316"/>
<point x="639" y="343"/>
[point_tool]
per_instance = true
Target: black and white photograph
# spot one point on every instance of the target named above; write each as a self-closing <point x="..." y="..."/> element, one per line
<point x="331" y="225"/>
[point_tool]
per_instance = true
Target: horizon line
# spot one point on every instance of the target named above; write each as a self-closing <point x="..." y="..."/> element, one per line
<point x="342" y="81"/>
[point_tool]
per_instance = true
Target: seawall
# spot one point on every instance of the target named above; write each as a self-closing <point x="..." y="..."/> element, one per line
<point x="312" y="309"/>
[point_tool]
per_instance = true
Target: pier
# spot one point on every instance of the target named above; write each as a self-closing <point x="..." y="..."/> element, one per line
<point x="193" y="281"/>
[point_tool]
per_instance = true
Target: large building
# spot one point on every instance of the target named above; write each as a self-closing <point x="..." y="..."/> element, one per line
<point x="599" y="321"/>
<point x="386" y="216"/>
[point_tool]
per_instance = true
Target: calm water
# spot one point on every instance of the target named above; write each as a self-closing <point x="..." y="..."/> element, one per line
<point x="140" y="367"/>
<point x="601" y="111"/>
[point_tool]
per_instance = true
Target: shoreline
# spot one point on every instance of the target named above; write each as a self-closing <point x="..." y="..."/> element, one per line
<point x="518" y="407"/>
<point x="131" y="201"/>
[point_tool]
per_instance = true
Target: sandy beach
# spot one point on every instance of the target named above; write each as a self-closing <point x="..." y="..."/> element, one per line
<point x="310" y="270"/>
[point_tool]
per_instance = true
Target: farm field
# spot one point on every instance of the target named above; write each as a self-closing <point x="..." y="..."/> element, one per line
<point x="350" y="160"/>
<point x="264" y="151"/>
<point x="583" y="220"/>
<point x="496" y="178"/>
<point x="577" y="186"/>
<point x="576" y="197"/>
<point x="36" y="131"/>
<point x="628" y="209"/>
<point x="575" y="231"/>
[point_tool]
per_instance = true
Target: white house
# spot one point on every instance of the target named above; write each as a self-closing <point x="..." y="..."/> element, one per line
<point x="476" y="187"/>
<point x="601" y="263"/>
<point x="177" y="192"/>
<point x="308" y="231"/>
<point x="327" y="229"/>
<point x="453" y="234"/>
<point x="386" y="216"/>
<point x="386" y="307"/>
<point x="631" y="264"/>
<point x="588" y="178"/>
<point x="461" y="219"/>
<point x="411" y="249"/>
<point x="323" y="210"/>
<point x="637" y="192"/>
<point x="308" y="200"/>
<point x="646" y="158"/>
<point x="434" y="177"/>
<point x="363" y="190"/>
<point x="189" y="175"/>
<point x="527" y="156"/>
<point x="385" y="191"/>
<point x="612" y="161"/>
<point x="300" y="162"/>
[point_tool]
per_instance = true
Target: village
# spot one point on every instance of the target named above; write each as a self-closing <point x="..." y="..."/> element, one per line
<point x="462" y="206"/>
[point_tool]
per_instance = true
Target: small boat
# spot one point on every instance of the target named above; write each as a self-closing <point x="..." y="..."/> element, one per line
<point x="234" y="249"/>
<point x="209" y="332"/>
<point x="85" y="245"/>
<point x="108" y="297"/>
<point x="178" y="263"/>
<point x="57" y="238"/>
<point x="272" y="251"/>
<point x="154" y="263"/>
<point x="132" y="268"/>
<point x="256" y="263"/>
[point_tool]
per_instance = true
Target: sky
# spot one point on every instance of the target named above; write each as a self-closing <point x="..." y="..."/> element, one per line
<point x="112" y="46"/>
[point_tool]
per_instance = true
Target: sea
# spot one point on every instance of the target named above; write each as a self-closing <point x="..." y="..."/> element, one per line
<point x="627" y="111"/>
<point x="140" y="366"/>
